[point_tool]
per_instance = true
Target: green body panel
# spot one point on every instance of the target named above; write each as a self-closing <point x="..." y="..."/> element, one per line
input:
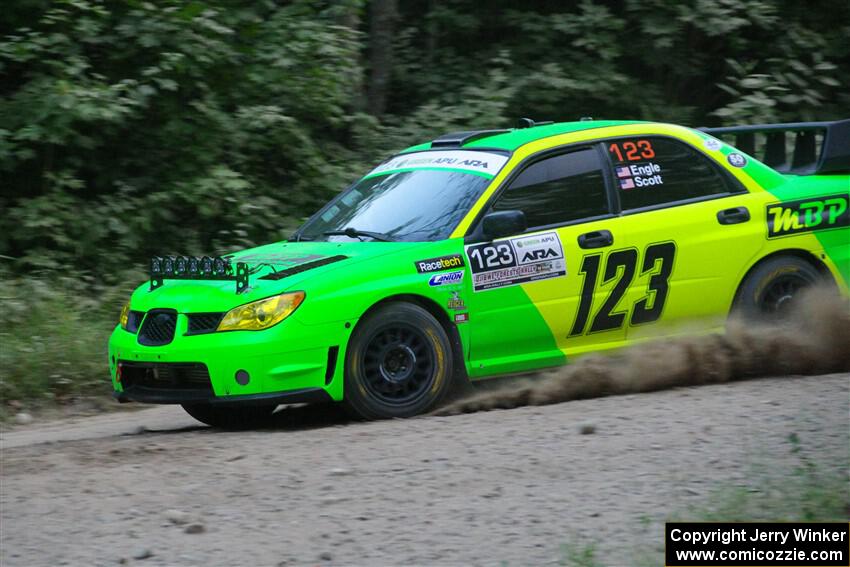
<point x="293" y="354"/>
<point x="511" y="329"/>
<point x="835" y="242"/>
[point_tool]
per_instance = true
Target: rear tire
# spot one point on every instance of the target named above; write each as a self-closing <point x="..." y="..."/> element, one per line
<point x="398" y="364"/>
<point x="231" y="416"/>
<point x="772" y="288"/>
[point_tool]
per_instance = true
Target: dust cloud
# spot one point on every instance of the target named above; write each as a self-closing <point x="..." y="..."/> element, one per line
<point x="813" y="339"/>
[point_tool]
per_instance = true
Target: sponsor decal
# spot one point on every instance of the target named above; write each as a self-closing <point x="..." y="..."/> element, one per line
<point x="736" y="160"/>
<point x="806" y="215"/>
<point x="455" y="302"/>
<point x="478" y="162"/>
<point x="639" y="175"/>
<point x="712" y="144"/>
<point x="461" y="318"/>
<point x="516" y="261"/>
<point x="631" y="150"/>
<point x="439" y="264"/>
<point x="446" y="279"/>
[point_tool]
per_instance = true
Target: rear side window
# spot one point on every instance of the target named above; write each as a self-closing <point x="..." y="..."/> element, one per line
<point x="558" y="189"/>
<point x="654" y="171"/>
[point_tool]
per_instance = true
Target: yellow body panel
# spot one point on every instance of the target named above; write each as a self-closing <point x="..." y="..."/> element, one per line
<point x="710" y="259"/>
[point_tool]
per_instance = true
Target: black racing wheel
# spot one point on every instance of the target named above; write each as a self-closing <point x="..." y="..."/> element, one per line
<point x="398" y="363"/>
<point x="771" y="288"/>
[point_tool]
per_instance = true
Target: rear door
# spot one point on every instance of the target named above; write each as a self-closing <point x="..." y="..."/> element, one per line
<point x="691" y="228"/>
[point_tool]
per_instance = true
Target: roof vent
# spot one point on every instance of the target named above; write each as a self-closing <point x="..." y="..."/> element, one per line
<point x="529" y="123"/>
<point x="458" y="139"/>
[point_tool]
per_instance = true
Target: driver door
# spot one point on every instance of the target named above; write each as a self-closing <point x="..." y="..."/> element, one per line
<point x="526" y="296"/>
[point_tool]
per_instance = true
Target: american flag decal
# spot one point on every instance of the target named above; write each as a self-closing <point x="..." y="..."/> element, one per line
<point x="623" y="171"/>
<point x="627" y="184"/>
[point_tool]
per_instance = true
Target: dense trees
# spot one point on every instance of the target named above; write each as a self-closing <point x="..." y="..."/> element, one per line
<point x="129" y="128"/>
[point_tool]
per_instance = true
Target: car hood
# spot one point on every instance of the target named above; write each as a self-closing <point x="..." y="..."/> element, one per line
<point x="275" y="268"/>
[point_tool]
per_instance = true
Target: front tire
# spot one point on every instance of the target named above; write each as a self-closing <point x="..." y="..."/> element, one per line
<point x="398" y="364"/>
<point x="772" y="288"/>
<point x="231" y="416"/>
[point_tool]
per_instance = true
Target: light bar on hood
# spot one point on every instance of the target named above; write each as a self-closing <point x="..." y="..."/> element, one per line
<point x="194" y="268"/>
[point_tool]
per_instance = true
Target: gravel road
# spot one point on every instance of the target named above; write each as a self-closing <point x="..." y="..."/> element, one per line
<point x="153" y="487"/>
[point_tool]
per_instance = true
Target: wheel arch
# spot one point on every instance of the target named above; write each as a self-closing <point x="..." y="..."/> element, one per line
<point x="432" y="307"/>
<point x="804" y="255"/>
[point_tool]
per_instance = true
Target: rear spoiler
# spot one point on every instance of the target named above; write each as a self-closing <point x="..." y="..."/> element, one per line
<point x="818" y="147"/>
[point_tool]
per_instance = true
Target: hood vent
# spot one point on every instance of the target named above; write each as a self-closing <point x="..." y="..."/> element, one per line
<point x="279" y="275"/>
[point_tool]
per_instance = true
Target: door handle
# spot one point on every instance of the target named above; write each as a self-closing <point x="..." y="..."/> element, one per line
<point x="733" y="216"/>
<point x="596" y="239"/>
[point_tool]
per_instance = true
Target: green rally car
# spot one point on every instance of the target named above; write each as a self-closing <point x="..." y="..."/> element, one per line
<point x="484" y="253"/>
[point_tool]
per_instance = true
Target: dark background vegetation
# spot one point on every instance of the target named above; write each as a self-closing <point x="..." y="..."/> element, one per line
<point x="132" y="128"/>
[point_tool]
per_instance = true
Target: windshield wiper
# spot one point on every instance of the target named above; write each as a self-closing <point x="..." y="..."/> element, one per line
<point x="355" y="233"/>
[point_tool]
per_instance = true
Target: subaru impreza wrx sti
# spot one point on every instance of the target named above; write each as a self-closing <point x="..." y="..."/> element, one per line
<point x="485" y="253"/>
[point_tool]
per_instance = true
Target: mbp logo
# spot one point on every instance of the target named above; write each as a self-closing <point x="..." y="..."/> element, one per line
<point x="439" y="264"/>
<point x="806" y="215"/>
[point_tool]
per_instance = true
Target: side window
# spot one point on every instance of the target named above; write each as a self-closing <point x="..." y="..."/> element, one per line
<point x="558" y="189"/>
<point x="653" y="171"/>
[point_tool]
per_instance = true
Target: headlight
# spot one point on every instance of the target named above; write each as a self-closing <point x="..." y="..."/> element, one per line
<point x="125" y="316"/>
<point x="261" y="314"/>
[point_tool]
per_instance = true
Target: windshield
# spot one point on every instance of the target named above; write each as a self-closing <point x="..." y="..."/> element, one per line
<point x="404" y="204"/>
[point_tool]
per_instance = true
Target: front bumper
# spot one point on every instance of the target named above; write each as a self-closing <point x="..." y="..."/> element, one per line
<point x="288" y="363"/>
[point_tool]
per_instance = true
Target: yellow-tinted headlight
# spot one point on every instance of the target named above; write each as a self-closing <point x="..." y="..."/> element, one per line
<point x="261" y="314"/>
<point x="125" y="315"/>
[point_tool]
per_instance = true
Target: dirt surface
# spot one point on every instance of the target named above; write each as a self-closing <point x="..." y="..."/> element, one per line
<point x="155" y="488"/>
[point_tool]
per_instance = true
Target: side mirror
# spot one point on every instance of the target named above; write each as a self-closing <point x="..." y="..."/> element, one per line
<point x="504" y="223"/>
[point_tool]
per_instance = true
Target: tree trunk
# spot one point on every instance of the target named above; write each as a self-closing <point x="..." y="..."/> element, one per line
<point x="381" y="32"/>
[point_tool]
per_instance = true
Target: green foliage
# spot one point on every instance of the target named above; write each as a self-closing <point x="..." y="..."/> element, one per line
<point x="140" y="128"/>
<point x="53" y="337"/>
<point x="133" y="128"/>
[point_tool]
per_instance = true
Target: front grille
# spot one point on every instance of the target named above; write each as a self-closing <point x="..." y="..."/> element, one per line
<point x="158" y="327"/>
<point x="133" y="320"/>
<point x="200" y="323"/>
<point x="165" y="375"/>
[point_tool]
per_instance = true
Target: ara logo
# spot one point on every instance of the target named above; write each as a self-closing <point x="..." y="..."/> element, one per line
<point x="539" y="254"/>
<point x="446" y="279"/>
<point x="806" y="215"/>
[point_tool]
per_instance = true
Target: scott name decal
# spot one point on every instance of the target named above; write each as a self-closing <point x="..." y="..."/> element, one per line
<point x="806" y="215"/>
<point x="439" y="264"/>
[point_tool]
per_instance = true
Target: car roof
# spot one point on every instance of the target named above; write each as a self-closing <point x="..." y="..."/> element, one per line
<point x="510" y="140"/>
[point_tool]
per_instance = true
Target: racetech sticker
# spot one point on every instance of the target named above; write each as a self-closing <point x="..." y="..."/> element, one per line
<point x="476" y="162"/>
<point x="515" y="261"/>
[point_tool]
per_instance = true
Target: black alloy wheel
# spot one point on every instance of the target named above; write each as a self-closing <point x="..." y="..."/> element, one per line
<point x="398" y="364"/>
<point x="771" y="289"/>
